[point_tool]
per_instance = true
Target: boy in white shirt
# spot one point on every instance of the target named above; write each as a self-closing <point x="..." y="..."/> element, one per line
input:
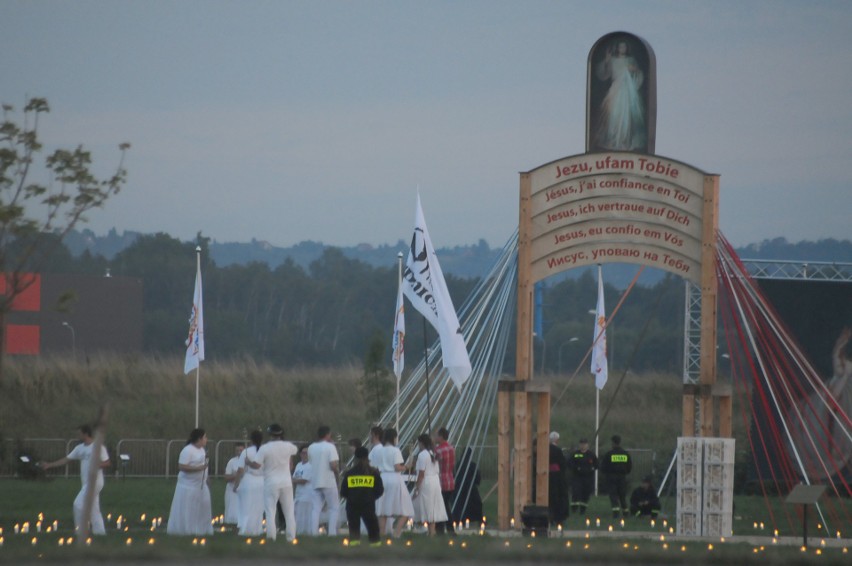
<point x="325" y="463"/>
<point x="276" y="459"/>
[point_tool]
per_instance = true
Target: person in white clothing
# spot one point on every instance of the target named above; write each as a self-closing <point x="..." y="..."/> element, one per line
<point x="375" y="459"/>
<point x="427" y="492"/>
<point x="276" y="459"/>
<point x="396" y="501"/>
<point x="304" y="498"/>
<point x="249" y="487"/>
<point x="375" y="446"/>
<point x="83" y="453"/>
<point x="325" y="463"/>
<point x="191" y="512"/>
<point x="232" y="501"/>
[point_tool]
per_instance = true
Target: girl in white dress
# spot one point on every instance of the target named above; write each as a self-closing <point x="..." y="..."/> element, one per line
<point x="304" y="498"/>
<point x="427" y="493"/>
<point x="232" y="501"/>
<point x="191" y="512"/>
<point x="249" y="487"/>
<point x="396" y="501"/>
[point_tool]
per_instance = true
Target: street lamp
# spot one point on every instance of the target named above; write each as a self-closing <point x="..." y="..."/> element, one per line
<point x="559" y="363"/>
<point x="73" y="339"/>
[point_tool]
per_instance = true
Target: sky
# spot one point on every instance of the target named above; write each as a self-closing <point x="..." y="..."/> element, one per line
<point x="320" y="120"/>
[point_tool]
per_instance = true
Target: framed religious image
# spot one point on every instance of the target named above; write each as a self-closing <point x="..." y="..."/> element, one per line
<point x="621" y="95"/>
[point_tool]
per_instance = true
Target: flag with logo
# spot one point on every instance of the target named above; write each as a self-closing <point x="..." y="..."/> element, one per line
<point x="195" y="340"/>
<point x="599" y="365"/>
<point x="424" y="285"/>
<point x="399" y="336"/>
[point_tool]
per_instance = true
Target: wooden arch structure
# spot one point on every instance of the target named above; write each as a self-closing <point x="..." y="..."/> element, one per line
<point x="599" y="208"/>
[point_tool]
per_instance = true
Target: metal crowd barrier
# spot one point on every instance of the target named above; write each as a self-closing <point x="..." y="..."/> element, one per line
<point x="157" y="457"/>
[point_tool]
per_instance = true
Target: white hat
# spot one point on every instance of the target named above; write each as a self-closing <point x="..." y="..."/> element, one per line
<point x="554" y="436"/>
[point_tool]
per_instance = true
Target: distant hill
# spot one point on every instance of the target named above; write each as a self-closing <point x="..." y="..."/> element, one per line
<point x="468" y="261"/>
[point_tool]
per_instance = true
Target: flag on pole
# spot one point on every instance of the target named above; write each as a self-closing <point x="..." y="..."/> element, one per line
<point x="423" y="283"/>
<point x="195" y="340"/>
<point x="399" y="336"/>
<point x="599" y="365"/>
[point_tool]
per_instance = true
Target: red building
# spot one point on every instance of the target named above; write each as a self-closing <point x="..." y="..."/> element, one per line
<point x="83" y="314"/>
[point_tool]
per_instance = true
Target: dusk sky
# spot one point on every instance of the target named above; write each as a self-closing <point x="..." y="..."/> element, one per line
<point x="288" y="121"/>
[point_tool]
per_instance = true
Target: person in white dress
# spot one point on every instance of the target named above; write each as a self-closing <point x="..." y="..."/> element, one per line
<point x="375" y="445"/>
<point x="429" y="502"/>
<point x="396" y="501"/>
<point x="83" y="453"/>
<point x="374" y="458"/>
<point x="232" y="500"/>
<point x="325" y="463"/>
<point x="275" y="458"/>
<point x="250" y="489"/>
<point x="305" y="498"/>
<point x="191" y="512"/>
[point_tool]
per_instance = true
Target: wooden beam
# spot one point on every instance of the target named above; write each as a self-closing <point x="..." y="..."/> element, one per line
<point x="542" y="462"/>
<point x="524" y="356"/>
<point x="709" y="291"/>
<point x="689" y="392"/>
<point x="504" y="422"/>
<point x="523" y="457"/>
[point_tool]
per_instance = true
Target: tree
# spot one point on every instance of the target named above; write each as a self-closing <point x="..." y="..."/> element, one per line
<point x="376" y="385"/>
<point x="35" y="216"/>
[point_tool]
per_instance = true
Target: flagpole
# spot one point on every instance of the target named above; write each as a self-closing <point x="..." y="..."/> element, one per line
<point x="198" y="367"/>
<point x="597" y="432"/>
<point x="597" y="389"/>
<point x="428" y="395"/>
<point x="399" y="285"/>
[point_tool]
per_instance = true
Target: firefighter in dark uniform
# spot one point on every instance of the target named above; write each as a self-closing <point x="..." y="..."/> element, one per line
<point x="362" y="485"/>
<point x="582" y="464"/>
<point x="616" y="465"/>
<point x="644" y="500"/>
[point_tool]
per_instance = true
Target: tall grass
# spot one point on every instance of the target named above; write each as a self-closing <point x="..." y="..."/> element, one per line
<point x="150" y="397"/>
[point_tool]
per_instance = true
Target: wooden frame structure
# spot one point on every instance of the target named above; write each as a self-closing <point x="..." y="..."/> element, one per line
<point x="521" y="401"/>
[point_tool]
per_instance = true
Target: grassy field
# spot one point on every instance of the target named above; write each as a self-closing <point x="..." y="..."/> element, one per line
<point x="138" y="502"/>
<point x="150" y="398"/>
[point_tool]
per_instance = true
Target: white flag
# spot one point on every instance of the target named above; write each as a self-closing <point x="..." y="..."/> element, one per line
<point x="195" y="340"/>
<point x="423" y="283"/>
<point x="599" y="365"/>
<point x="399" y="336"/>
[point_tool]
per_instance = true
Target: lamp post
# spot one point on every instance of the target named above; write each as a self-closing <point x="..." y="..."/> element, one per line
<point x="73" y="339"/>
<point x="559" y="362"/>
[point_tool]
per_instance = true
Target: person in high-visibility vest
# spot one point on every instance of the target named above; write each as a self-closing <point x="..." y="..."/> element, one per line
<point x="615" y="466"/>
<point x="361" y="485"/>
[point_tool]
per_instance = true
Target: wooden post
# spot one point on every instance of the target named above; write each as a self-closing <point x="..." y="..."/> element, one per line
<point x="523" y="464"/>
<point x="722" y="392"/>
<point x="524" y="356"/>
<point x="542" y="463"/>
<point x="709" y="291"/>
<point x="689" y="391"/>
<point x="504" y="407"/>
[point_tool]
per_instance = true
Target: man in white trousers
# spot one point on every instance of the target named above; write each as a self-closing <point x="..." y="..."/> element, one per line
<point x="276" y="459"/>
<point x="325" y="463"/>
<point x="83" y="453"/>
